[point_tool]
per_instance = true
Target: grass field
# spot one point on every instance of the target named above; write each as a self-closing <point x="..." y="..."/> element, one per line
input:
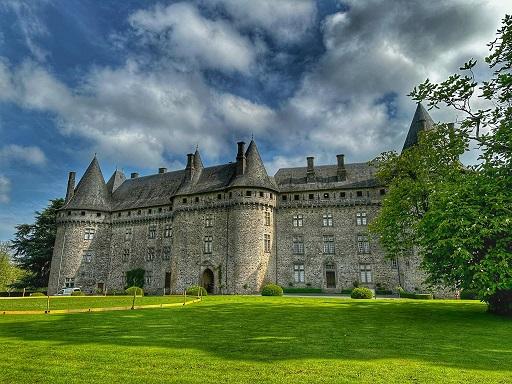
<point x="79" y="302"/>
<point x="263" y="340"/>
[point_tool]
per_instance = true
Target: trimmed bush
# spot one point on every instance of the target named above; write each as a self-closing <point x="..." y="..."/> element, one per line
<point x="302" y="290"/>
<point x="272" y="290"/>
<point x="77" y="293"/>
<point x="383" y="292"/>
<point x="361" y="293"/>
<point x="37" y="294"/>
<point x="116" y="292"/>
<point x="138" y="291"/>
<point x="195" y="290"/>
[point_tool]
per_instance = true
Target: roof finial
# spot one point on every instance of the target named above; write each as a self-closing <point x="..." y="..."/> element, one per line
<point x="252" y="136"/>
<point x="197" y="147"/>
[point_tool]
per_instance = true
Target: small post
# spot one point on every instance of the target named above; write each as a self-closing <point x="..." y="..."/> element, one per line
<point x="134" y="294"/>
<point x="47" y="304"/>
<point x="23" y="292"/>
<point x="184" y="296"/>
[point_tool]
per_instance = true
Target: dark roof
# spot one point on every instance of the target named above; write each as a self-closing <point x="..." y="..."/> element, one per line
<point x="91" y="192"/>
<point x="255" y="174"/>
<point x="209" y="179"/>
<point x="359" y="175"/>
<point x="115" y="181"/>
<point x="421" y="121"/>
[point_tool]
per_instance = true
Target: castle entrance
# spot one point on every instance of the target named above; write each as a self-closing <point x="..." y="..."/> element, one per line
<point x="207" y="280"/>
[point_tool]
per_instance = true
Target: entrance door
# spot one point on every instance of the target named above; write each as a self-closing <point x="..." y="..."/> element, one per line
<point x="101" y="287"/>
<point x="208" y="280"/>
<point x="167" y="284"/>
<point x="330" y="277"/>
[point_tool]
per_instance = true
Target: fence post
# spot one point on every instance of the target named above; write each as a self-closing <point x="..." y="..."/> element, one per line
<point x="134" y="294"/>
<point x="184" y="296"/>
<point x="47" y="304"/>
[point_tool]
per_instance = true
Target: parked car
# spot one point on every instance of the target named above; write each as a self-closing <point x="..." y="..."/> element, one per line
<point x="67" y="291"/>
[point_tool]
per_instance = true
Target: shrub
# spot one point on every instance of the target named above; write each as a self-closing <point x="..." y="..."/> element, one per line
<point x="346" y="292"/>
<point x="77" y="293"/>
<point x="302" y="290"/>
<point x="37" y="294"/>
<point x="500" y="302"/>
<point x="383" y="292"/>
<point x="272" y="290"/>
<point x="196" y="290"/>
<point x="468" y="294"/>
<point x="412" y="295"/>
<point x="361" y="293"/>
<point x="116" y="292"/>
<point x="138" y="291"/>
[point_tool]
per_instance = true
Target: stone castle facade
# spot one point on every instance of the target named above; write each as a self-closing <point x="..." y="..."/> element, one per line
<point x="230" y="228"/>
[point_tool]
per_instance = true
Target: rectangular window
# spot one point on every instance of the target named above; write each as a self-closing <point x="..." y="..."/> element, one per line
<point x="363" y="244"/>
<point x="361" y="218"/>
<point x="298" y="221"/>
<point x="126" y="256"/>
<point x="298" y="244"/>
<point x="328" y="244"/>
<point x="342" y="195"/>
<point x="208" y="244"/>
<point x="166" y="253"/>
<point x="266" y="242"/>
<point x="197" y="199"/>
<point x="152" y="232"/>
<point x="394" y="263"/>
<point x="150" y="255"/>
<point x="359" y="193"/>
<point x="326" y="195"/>
<point x="208" y="221"/>
<point x="248" y="193"/>
<point x="89" y="233"/>
<point x="219" y="196"/>
<point x="298" y="273"/>
<point x="284" y="197"/>
<point x="148" y="277"/>
<point x="267" y="219"/>
<point x="262" y="194"/>
<point x="311" y="196"/>
<point x="88" y="256"/>
<point x="295" y="197"/>
<point x="69" y="282"/>
<point x="366" y="273"/>
<point x="167" y="230"/>
<point x="184" y="200"/>
<point x="327" y="220"/>
<point x="128" y="234"/>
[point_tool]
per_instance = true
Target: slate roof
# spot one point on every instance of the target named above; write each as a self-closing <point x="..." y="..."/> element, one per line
<point x="421" y="121"/>
<point x="255" y="173"/>
<point x="115" y="181"/>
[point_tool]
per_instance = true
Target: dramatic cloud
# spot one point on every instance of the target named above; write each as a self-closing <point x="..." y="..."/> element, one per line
<point x="29" y="155"/>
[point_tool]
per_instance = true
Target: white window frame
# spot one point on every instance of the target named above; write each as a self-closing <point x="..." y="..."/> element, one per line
<point x="126" y="255"/>
<point x="361" y="218"/>
<point x="299" y="275"/>
<point x="152" y="231"/>
<point x="89" y="233"/>
<point x="166" y="253"/>
<point x="365" y="273"/>
<point x="329" y="247"/>
<point x="266" y="243"/>
<point x="267" y="219"/>
<point x="148" y="277"/>
<point x="167" y="230"/>
<point x="363" y="243"/>
<point x="88" y="256"/>
<point x="327" y="220"/>
<point x="298" y="244"/>
<point x="128" y="234"/>
<point x="298" y="220"/>
<point x="150" y="254"/>
<point x="208" y="221"/>
<point x="208" y="244"/>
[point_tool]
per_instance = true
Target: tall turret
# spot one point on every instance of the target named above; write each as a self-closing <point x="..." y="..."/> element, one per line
<point x="420" y="122"/>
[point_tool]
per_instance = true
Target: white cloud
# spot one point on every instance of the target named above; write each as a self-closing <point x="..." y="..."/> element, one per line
<point x="5" y="188"/>
<point x="184" y="34"/>
<point x="16" y="153"/>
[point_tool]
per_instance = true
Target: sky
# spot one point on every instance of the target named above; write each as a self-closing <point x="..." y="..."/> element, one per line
<point x="142" y="83"/>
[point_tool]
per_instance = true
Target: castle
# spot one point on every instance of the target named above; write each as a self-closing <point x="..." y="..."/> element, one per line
<point x="230" y="228"/>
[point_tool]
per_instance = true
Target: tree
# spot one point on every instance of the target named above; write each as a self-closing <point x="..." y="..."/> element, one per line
<point x="461" y="218"/>
<point x="33" y="246"/>
<point x="9" y="273"/>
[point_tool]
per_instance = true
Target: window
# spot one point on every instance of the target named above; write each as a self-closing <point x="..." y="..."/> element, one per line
<point x="298" y="244"/>
<point x="363" y="245"/>
<point x="69" y="282"/>
<point x="119" y="214"/>
<point x="327" y="220"/>
<point x="359" y="193"/>
<point x="266" y="242"/>
<point x="69" y="213"/>
<point x="311" y="196"/>
<point x="248" y="193"/>
<point x="167" y="230"/>
<point x="298" y="273"/>
<point x="139" y="212"/>
<point x="326" y="195"/>
<point x="271" y="195"/>
<point x="89" y="233"/>
<point x="342" y="194"/>
<point x="166" y="253"/>
<point x="382" y="192"/>
<point x="128" y="234"/>
<point x="159" y="209"/>
<point x="197" y="199"/>
<point x="129" y="213"/>
<point x="208" y="221"/>
<point x="267" y="219"/>
<point x="361" y="218"/>
<point x="328" y="244"/>
<point x="150" y="211"/>
<point x="152" y="232"/>
<point x="230" y="195"/>
<point x="284" y="197"/>
<point x="366" y="273"/>
<point x="184" y="200"/>
<point x="82" y="213"/>
<point x="88" y="256"/>
<point x="148" y="277"/>
<point x="126" y="256"/>
<point x="394" y="263"/>
<point x="98" y="214"/>
<point x="298" y="221"/>
<point x="208" y="240"/>
<point x="219" y="196"/>
<point x="262" y="194"/>
<point x="295" y="197"/>
<point x="150" y="255"/>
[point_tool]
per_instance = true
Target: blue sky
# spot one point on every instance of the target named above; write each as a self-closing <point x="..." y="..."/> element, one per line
<point x="141" y="83"/>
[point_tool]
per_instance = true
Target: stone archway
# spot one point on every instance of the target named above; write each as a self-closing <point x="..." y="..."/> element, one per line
<point x="207" y="280"/>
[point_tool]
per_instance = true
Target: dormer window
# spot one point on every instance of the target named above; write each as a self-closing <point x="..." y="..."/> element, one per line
<point x="197" y="199"/>
<point x="248" y="193"/>
<point x="284" y="197"/>
<point x="359" y="193"/>
<point x="296" y="197"/>
<point x="184" y="200"/>
<point x="326" y="195"/>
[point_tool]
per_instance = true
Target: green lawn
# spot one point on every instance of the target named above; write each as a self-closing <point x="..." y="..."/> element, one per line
<point x="78" y="302"/>
<point x="263" y="340"/>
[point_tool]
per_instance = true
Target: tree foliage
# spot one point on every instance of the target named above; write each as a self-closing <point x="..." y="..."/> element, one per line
<point x="461" y="218"/>
<point x="9" y="272"/>
<point x="33" y="246"/>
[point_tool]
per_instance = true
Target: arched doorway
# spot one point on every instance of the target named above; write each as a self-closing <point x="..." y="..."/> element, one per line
<point x="207" y="280"/>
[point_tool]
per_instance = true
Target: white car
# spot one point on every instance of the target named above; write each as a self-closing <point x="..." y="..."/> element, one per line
<point x="67" y="291"/>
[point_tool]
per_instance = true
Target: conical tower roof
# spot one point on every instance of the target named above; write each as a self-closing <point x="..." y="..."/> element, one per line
<point x="115" y="181"/>
<point x="255" y="174"/>
<point x="198" y="163"/>
<point x="420" y="122"/>
<point x="91" y="192"/>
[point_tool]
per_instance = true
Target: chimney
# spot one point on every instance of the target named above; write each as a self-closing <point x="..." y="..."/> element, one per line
<point x="240" y="159"/>
<point x="310" y="173"/>
<point x="189" y="169"/>
<point x="162" y="170"/>
<point x="71" y="186"/>
<point x="134" y="175"/>
<point x="341" y="171"/>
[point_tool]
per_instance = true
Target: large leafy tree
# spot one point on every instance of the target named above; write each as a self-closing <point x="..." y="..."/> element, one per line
<point x="33" y="246"/>
<point x="9" y="272"/>
<point x="464" y="225"/>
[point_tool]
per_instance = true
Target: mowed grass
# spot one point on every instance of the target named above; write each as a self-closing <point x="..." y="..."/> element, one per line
<point x="83" y="302"/>
<point x="229" y="339"/>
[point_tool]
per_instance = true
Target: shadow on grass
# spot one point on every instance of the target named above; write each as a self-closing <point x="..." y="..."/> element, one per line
<point x="455" y="334"/>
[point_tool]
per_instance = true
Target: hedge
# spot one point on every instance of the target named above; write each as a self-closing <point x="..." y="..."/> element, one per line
<point x="77" y="293"/>
<point x="272" y="290"/>
<point x="383" y="292"/>
<point x="135" y="290"/>
<point x="302" y="290"/>
<point x="361" y="293"/>
<point x="37" y="294"/>
<point x="195" y="290"/>
<point x="412" y="295"/>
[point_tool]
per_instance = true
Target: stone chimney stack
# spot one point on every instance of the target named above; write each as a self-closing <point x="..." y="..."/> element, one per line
<point x="162" y="170"/>
<point x="310" y="172"/>
<point x="134" y="175"/>
<point x="71" y="186"/>
<point x="189" y="170"/>
<point x="240" y="159"/>
<point x="341" y="171"/>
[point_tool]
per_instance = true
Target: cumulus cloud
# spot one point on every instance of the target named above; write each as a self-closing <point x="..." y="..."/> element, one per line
<point x="5" y="188"/>
<point x="29" y="155"/>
